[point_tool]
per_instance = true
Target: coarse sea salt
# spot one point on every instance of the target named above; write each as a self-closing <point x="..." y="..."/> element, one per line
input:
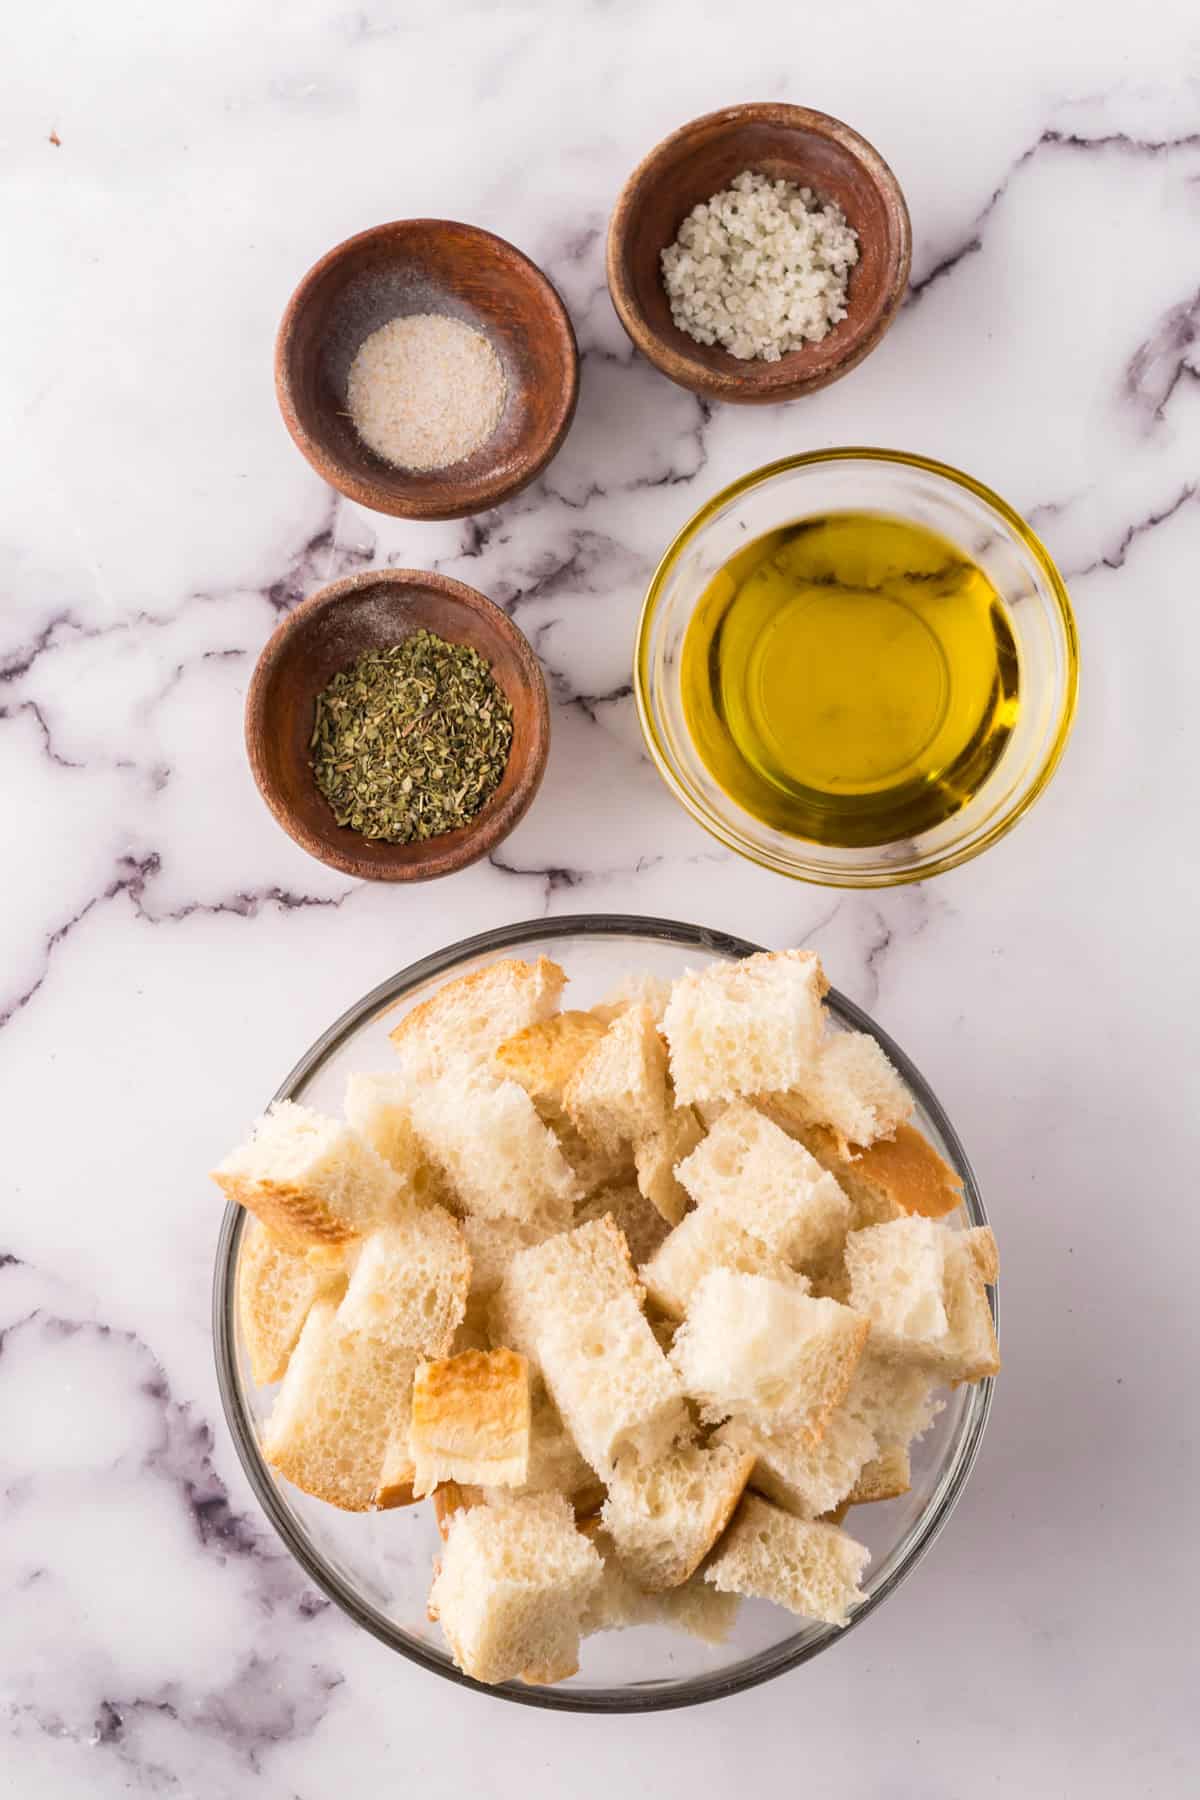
<point x="425" y="391"/>
<point x="761" y="268"/>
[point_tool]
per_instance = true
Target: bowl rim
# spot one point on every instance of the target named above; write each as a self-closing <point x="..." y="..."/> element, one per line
<point x="386" y="494"/>
<point x="1064" y="613"/>
<point x="734" y="384"/>
<point x="486" y="830"/>
<point x="692" y="1690"/>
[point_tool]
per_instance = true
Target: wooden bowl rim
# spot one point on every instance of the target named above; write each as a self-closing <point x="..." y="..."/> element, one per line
<point x="488" y="829"/>
<point x="757" y="383"/>
<point x="389" y="496"/>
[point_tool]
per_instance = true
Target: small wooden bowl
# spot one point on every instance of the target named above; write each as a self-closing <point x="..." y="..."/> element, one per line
<point x="427" y="266"/>
<point x="696" y="162"/>
<point x="326" y="633"/>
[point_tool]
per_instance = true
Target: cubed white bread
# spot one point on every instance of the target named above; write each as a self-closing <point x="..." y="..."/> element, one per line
<point x="410" y="1281"/>
<point x="276" y="1287"/>
<point x="334" y="1413"/>
<point x="665" y="1517"/>
<point x="555" y="1465"/>
<point x="377" y="1107"/>
<point x="701" y="1242"/>
<point x="512" y="1587"/>
<point x="569" y="1275"/>
<point x="396" y="1476"/>
<point x="761" y="1348"/>
<point x="638" y="989"/>
<point x="892" y="1400"/>
<point x="853" y="1089"/>
<point x="488" y="1141"/>
<point x="812" y="1569"/>
<point x="311" y="1180"/>
<point x="470" y="1420"/>
<point x="750" y="1171"/>
<point x="806" y="1479"/>
<point x="466" y="1020"/>
<point x="886" y="1477"/>
<point x="970" y="1351"/>
<point x="618" y="1093"/>
<point x="980" y="1244"/>
<point x="641" y="1224"/>
<point x="542" y="1058"/>
<point x="616" y="1391"/>
<point x="618" y="1602"/>
<point x="745" y="1027"/>
<point x="656" y="1158"/>
<point x="492" y="1244"/>
<point x="891" y="1178"/>
<point x="897" y="1281"/>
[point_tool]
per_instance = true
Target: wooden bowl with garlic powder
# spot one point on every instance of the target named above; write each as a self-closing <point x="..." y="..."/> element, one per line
<point x="427" y="369"/>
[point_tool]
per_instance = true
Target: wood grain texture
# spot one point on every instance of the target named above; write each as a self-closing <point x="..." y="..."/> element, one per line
<point x="326" y="633"/>
<point x="698" y="161"/>
<point x="427" y="266"/>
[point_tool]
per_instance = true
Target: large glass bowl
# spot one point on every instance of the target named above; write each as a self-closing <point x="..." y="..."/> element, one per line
<point x="377" y="1566"/>
<point x="907" y="487"/>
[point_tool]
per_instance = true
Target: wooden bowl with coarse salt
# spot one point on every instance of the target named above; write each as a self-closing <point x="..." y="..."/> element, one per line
<point x="790" y="143"/>
<point x="427" y="369"/>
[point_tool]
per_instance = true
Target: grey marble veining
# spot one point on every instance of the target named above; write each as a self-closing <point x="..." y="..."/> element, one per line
<point x="168" y="953"/>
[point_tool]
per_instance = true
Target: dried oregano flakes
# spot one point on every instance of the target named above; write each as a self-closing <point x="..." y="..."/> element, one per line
<point x="411" y="741"/>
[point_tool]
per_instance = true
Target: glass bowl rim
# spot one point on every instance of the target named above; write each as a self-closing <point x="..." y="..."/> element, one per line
<point x="691" y="1690"/>
<point x="1063" y="612"/>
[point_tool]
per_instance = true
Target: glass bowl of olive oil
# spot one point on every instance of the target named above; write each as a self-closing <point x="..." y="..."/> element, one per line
<point x="857" y="667"/>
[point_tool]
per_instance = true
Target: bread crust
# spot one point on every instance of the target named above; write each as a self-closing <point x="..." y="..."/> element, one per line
<point x="290" y="1212"/>
<point x="425" y="1020"/>
<point x="470" y="1420"/>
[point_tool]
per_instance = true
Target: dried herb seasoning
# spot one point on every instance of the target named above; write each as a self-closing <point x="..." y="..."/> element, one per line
<point x="411" y="741"/>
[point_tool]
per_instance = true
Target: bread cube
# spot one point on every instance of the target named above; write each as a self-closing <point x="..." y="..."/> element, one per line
<point x="409" y="1283"/>
<point x="487" y="1139"/>
<point x="276" y="1287"/>
<point x="896" y="1281"/>
<point x="376" y="1106"/>
<point x="618" y="1602"/>
<point x="700" y="1243"/>
<point x="311" y="1180"/>
<point x="466" y="1020"/>
<point x="335" y="1411"/>
<point x="470" y="1420"/>
<point x="892" y="1400"/>
<point x="885" y="1477"/>
<point x="745" y="1027"/>
<point x="812" y="1569"/>
<point x="759" y="1347"/>
<point x="664" y="1517"/>
<point x="567" y="1275"/>
<point x="618" y="1093"/>
<point x="656" y="1158"/>
<point x="853" y="1089"/>
<point x="616" y="1391"/>
<point x="804" y="1478"/>
<point x="542" y="1058"/>
<point x="750" y="1171"/>
<point x="511" y="1589"/>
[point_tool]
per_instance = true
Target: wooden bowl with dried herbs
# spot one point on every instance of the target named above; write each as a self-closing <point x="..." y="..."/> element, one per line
<point x="397" y="725"/>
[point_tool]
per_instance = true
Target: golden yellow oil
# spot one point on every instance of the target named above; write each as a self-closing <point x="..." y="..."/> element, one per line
<point x="850" y="679"/>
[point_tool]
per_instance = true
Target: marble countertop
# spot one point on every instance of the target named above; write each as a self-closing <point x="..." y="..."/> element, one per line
<point x="167" y="952"/>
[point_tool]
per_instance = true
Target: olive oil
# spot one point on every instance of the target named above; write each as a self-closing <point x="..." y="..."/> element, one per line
<point x="850" y="679"/>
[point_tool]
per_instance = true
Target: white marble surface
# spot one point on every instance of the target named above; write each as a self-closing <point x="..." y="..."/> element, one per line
<point x="167" y="952"/>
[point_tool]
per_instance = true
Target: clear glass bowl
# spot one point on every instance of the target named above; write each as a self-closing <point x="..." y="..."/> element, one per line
<point x="907" y="487"/>
<point x="377" y="1567"/>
